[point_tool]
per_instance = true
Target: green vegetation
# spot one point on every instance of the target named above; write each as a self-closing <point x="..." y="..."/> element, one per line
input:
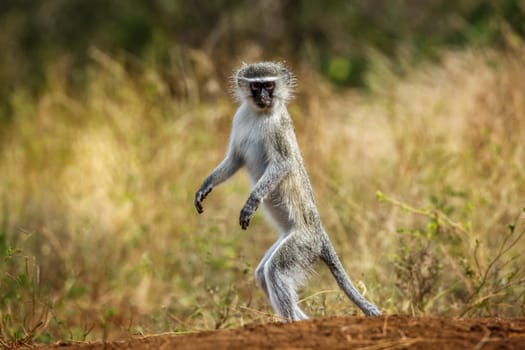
<point x="42" y="39"/>
<point x="113" y="112"/>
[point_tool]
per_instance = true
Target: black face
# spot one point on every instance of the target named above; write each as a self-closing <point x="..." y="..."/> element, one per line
<point x="262" y="93"/>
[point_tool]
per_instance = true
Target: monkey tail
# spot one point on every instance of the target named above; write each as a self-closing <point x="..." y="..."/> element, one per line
<point x="330" y="258"/>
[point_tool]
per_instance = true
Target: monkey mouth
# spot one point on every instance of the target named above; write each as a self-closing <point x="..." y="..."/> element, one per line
<point x="263" y="103"/>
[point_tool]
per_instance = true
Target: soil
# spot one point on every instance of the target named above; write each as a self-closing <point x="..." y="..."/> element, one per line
<point x="390" y="332"/>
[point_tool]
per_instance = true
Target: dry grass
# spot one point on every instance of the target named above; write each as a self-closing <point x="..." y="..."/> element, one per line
<point x="100" y="238"/>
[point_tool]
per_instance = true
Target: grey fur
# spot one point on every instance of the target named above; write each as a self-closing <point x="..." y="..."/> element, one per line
<point x="263" y="140"/>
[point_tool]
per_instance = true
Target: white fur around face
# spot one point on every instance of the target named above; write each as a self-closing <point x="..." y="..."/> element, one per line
<point x="260" y="80"/>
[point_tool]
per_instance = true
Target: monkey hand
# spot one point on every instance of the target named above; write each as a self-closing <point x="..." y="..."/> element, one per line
<point x="200" y="195"/>
<point x="247" y="212"/>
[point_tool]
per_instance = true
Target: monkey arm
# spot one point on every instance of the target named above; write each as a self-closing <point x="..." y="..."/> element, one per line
<point x="271" y="178"/>
<point x="222" y="172"/>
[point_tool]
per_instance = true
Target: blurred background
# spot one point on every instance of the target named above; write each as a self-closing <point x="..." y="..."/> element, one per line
<point x="410" y="116"/>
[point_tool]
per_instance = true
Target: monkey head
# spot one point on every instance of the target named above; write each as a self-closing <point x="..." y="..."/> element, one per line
<point x="264" y="84"/>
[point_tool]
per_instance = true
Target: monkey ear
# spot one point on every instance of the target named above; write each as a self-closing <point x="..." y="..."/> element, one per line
<point x="289" y="78"/>
<point x="239" y="81"/>
<point x="238" y="74"/>
<point x="287" y="75"/>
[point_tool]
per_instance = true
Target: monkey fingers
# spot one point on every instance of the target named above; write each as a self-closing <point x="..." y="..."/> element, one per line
<point x="245" y="217"/>
<point x="199" y="197"/>
<point x="247" y="212"/>
<point x="197" y="202"/>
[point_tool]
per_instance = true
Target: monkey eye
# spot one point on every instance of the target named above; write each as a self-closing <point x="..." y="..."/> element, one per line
<point x="255" y="86"/>
<point x="269" y="85"/>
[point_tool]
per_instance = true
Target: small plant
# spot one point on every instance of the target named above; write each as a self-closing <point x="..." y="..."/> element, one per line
<point x="418" y="269"/>
<point x="23" y="313"/>
<point x="476" y="287"/>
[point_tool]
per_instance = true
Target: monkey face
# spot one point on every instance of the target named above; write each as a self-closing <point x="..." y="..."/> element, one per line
<point x="262" y="93"/>
<point x="264" y="85"/>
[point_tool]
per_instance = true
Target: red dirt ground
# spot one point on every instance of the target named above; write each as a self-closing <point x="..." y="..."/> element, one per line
<point x="389" y="332"/>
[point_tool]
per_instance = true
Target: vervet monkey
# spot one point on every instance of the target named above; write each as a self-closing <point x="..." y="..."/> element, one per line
<point x="263" y="140"/>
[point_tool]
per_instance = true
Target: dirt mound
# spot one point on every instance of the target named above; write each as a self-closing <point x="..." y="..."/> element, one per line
<point x="393" y="332"/>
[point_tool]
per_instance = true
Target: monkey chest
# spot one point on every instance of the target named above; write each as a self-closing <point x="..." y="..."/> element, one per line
<point x="251" y="141"/>
<point x="255" y="157"/>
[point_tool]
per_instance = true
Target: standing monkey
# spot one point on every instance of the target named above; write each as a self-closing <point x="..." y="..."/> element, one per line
<point x="263" y="140"/>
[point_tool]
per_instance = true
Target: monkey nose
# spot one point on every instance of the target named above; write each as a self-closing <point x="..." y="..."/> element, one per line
<point x="266" y="99"/>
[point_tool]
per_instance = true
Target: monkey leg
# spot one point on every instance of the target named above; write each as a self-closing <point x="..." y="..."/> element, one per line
<point x="285" y="270"/>
<point x="259" y="271"/>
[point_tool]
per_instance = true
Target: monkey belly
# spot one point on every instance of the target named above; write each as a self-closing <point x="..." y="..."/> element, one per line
<point x="277" y="214"/>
